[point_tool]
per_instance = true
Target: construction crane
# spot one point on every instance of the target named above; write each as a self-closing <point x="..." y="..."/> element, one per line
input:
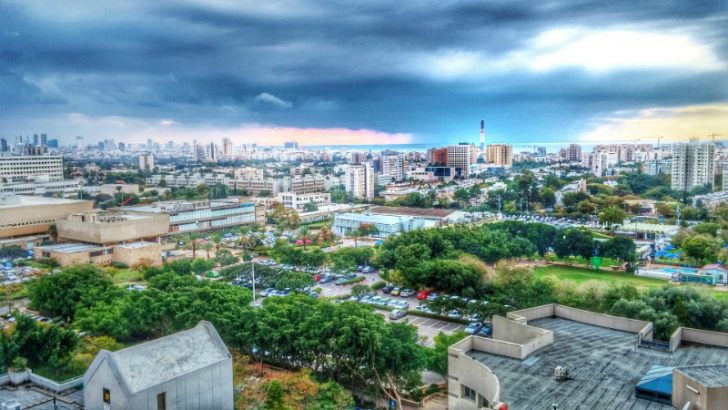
<point x="713" y="135"/>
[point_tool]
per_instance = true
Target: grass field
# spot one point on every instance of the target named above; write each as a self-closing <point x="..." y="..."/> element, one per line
<point x="124" y="276"/>
<point x="581" y="275"/>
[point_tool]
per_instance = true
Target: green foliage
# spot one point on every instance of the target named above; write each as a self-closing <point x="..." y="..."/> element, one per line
<point x="12" y="252"/>
<point x="36" y="344"/>
<point x="275" y="398"/>
<point x="378" y="285"/>
<point x="75" y="287"/>
<point x="294" y="280"/>
<point x="347" y="259"/>
<point x="619" y="248"/>
<point x="119" y="265"/>
<point x="437" y="357"/>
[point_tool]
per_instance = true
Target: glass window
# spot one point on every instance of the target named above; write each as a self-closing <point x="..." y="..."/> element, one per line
<point x="469" y="393"/>
<point x="107" y="396"/>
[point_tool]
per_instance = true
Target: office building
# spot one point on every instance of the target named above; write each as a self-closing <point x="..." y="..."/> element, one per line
<point x="146" y="162"/>
<point x="53" y="143"/>
<point x="359" y="181"/>
<point x="307" y="184"/>
<point x="298" y="202"/>
<point x="200" y="154"/>
<point x="3" y="145"/>
<point x="23" y="168"/>
<point x="437" y="156"/>
<point x="204" y="215"/>
<point x="693" y="165"/>
<point x="191" y="369"/>
<point x="393" y="166"/>
<point x="461" y="157"/>
<point x="346" y="223"/>
<point x="500" y="155"/>
<point x="293" y="145"/>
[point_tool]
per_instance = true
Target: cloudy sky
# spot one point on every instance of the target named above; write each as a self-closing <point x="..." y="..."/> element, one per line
<point x="374" y="71"/>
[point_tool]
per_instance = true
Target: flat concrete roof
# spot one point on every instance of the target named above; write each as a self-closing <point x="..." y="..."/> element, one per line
<point x="369" y="218"/>
<point x="33" y="397"/>
<point x="71" y="247"/>
<point x="423" y="212"/>
<point x="715" y="375"/>
<point x="605" y="365"/>
<point x="28" y="200"/>
<point x="136" y="245"/>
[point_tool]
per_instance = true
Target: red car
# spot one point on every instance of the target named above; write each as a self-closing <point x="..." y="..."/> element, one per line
<point x="422" y="295"/>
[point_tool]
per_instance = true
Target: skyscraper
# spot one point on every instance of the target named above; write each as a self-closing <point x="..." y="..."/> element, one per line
<point x="693" y="165"/>
<point x="393" y="166"/>
<point x="3" y="145"/>
<point x="146" y="162"/>
<point x="44" y="139"/>
<point x="227" y="147"/>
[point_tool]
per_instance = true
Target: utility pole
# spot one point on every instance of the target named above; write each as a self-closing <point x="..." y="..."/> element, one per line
<point x="252" y="264"/>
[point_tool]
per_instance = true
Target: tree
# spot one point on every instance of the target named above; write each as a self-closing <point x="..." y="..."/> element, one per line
<point x="437" y="356"/>
<point x="303" y="235"/>
<point x="310" y="207"/>
<point x="700" y="247"/>
<point x="622" y="249"/>
<point x="74" y="287"/>
<point x="612" y="215"/>
<point x="275" y="399"/>
<point x="192" y="240"/>
<point x="216" y="239"/>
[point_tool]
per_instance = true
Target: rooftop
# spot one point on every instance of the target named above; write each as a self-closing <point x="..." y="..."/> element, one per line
<point x="136" y="245"/>
<point x="604" y="364"/>
<point x="368" y="218"/>
<point x="430" y="213"/>
<point x="33" y="397"/>
<point x="155" y="362"/>
<point x="13" y="201"/>
<point x="712" y="375"/>
<point x="70" y="247"/>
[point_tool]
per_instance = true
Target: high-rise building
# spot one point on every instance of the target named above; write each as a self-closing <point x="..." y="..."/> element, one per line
<point x="3" y="145"/>
<point x="36" y="141"/>
<point x="200" y="154"/>
<point x="437" y="156"/>
<point x="122" y="147"/>
<point x="53" y="143"/>
<point x="358" y="157"/>
<point x="227" y="147"/>
<point x="150" y="144"/>
<point x="572" y="153"/>
<point x="146" y="162"/>
<point x="290" y="145"/>
<point x="212" y="152"/>
<point x="460" y="156"/>
<point x="500" y="155"/>
<point x="482" y="139"/>
<point x="44" y="139"/>
<point x="693" y="165"/>
<point x="19" y="168"/>
<point x="360" y="181"/>
<point x="393" y="166"/>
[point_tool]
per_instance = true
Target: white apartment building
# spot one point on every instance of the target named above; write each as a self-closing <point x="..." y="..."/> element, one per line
<point x="360" y="181"/>
<point x="146" y="162"/>
<point x="248" y="173"/>
<point x="31" y="168"/>
<point x="298" y="201"/>
<point x="393" y="166"/>
<point x="500" y="155"/>
<point x="461" y="156"/>
<point x="693" y="164"/>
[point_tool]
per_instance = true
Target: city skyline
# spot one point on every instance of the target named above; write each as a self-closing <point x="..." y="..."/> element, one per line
<point x="379" y="73"/>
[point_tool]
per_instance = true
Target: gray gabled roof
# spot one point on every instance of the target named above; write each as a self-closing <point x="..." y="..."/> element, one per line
<point x="149" y="364"/>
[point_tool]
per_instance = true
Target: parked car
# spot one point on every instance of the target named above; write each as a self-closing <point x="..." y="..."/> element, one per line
<point x="367" y="269"/>
<point x="473" y="328"/>
<point x="267" y="292"/>
<point x="387" y="289"/>
<point x="422" y="295"/>
<point x="407" y="293"/>
<point x="327" y="279"/>
<point x="486" y="330"/>
<point x="396" y="291"/>
<point x="454" y="314"/>
<point x="397" y="314"/>
<point x="432" y="296"/>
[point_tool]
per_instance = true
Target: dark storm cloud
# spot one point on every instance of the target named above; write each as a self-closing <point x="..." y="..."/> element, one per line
<point x="337" y="63"/>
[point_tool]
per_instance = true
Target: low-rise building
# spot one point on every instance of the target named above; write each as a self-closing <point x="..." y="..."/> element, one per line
<point x="102" y="237"/>
<point x="205" y="215"/>
<point x="299" y="201"/>
<point x="582" y="359"/>
<point x="346" y="223"/>
<point x="191" y="369"/>
<point x="22" y="215"/>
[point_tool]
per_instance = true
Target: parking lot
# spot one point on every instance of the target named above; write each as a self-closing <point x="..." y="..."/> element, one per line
<point x="428" y="328"/>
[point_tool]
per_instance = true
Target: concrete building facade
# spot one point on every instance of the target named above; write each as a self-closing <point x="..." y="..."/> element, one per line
<point x="500" y="155"/>
<point x="24" y="168"/>
<point x="31" y="215"/>
<point x="299" y="202"/>
<point x="693" y="165"/>
<point x="359" y="181"/>
<point x="461" y="157"/>
<point x="191" y="369"/>
<point x="146" y="162"/>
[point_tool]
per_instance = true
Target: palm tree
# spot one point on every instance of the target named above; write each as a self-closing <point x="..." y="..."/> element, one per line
<point x="303" y="233"/>
<point x="192" y="239"/>
<point x="216" y="239"/>
<point x="207" y="247"/>
<point x="53" y="232"/>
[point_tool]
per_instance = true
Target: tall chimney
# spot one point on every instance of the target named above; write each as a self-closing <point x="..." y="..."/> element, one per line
<point x="482" y="139"/>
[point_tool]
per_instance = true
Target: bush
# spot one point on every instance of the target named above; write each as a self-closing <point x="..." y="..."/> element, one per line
<point x="119" y="265"/>
<point x="49" y="262"/>
<point x="354" y="280"/>
<point x="378" y="285"/>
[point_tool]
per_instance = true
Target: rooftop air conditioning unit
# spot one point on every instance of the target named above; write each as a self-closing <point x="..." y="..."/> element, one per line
<point x="561" y="373"/>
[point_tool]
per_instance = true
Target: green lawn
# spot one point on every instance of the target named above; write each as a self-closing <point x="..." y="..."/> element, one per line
<point x="123" y="276"/>
<point x="606" y="262"/>
<point x="580" y="275"/>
